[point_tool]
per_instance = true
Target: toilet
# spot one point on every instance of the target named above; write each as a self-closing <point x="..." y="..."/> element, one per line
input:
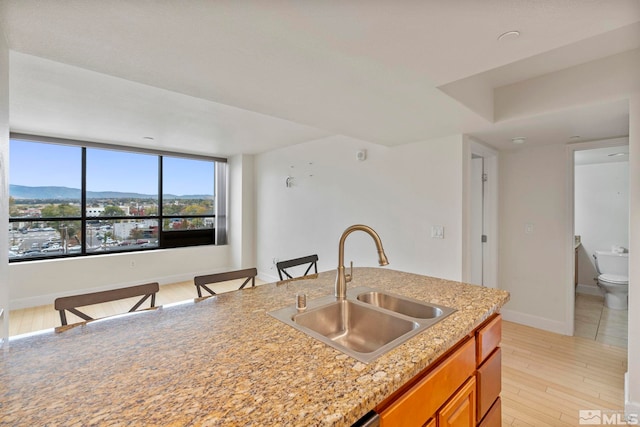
<point x="613" y="279"/>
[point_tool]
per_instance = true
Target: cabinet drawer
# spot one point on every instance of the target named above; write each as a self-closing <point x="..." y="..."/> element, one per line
<point x="494" y="416"/>
<point x="420" y="402"/>
<point x="489" y="380"/>
<point x="487" y="338"/>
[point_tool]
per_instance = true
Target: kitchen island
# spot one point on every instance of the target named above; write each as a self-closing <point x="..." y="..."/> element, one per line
<point x="225" y="361"/>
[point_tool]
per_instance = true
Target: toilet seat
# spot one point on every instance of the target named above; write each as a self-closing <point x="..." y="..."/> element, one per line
<point x="614" y="279"/>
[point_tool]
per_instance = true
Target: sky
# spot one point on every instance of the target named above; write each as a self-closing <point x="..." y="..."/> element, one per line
<point x="38" y="165"/>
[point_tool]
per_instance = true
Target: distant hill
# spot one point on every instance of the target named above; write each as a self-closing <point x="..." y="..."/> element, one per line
<point x="24" y="192"/>
<point x="21" y="192"/>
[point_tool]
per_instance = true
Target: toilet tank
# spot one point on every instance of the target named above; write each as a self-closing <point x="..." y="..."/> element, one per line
<point x="612" y="263"/>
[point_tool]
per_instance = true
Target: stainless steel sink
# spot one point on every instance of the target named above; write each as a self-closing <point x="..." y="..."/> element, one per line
<point x="367" y="324"/>
<point x="354" y="326"/>
<point x="406" y="306"/>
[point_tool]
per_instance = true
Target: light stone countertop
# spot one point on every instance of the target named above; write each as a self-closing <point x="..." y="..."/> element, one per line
<point x="224" y="361"/>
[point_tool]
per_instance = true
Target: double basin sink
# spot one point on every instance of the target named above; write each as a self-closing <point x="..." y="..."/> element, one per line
<point x="367" y="324"/>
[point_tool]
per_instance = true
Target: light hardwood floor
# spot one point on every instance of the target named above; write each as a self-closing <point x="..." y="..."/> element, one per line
<point x="45" y="316"/>
<point x="546" y="379"/>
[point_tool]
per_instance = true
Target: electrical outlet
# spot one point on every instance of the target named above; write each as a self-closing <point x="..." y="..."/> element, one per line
<point x="132" y="264"/>
<point x="437" y="232"/>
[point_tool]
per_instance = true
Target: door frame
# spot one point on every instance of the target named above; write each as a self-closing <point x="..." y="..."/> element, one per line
<point x="490" y="250"/>
<point x="570" y="223"/>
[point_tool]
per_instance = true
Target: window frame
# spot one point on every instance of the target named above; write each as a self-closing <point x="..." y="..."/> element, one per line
<point x="182" y="238"/>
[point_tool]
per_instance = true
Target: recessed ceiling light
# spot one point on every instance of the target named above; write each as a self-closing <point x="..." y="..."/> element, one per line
<point x="518" y="140"/>
<point x="617" y="154"/>
<point x="150" y="138"/>
<point x="509" y="35"/>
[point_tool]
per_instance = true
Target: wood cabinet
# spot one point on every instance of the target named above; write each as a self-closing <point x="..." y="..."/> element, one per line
<point x="460" y="389"/>
<point x="421" y="401"/>
<point x="493" y="417"/>
<point x="488" y="335"/>
<point x="460" y="411"/>
<point x="489" y="367"/>
<point x="489" y="382"/>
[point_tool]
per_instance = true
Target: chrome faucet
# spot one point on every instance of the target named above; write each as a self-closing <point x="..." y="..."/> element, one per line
<point x="342" y="279"/>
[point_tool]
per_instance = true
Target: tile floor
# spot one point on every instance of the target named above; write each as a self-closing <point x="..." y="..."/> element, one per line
<point x="595" y="321"/>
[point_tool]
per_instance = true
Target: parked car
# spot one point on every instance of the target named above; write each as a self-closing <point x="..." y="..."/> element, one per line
<point x="32" y="253"/>
<point x="74" y="249"/>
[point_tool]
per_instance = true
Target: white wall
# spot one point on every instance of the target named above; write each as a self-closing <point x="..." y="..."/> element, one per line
<point x="632" y="386"/>
<point x="532" y="266"/>
<point x="241" y="211"/>
<point x="401" y="192"/>
<point x="601" y="212"/>
<point x="4" y="184"/>
<point x="40" y="282"/>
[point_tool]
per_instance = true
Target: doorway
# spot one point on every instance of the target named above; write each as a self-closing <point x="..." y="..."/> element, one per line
<point x="478" y="236"/>
<point x="483" y="224"/>
<point x="600" y="223"/>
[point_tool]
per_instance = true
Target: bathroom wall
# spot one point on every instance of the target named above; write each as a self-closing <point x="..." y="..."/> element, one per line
<point x="601" y="212"/>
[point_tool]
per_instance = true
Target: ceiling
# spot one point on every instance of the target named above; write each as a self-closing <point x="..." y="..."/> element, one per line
<point x="229" y="77"/>
<point x="611" y="154"/>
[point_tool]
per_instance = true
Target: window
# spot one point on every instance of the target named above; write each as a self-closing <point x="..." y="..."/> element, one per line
<point x="187" y="201"/>
<point x="69" y="198"/>
<point x="121" y="200"/>
<point x="44" y="199"/>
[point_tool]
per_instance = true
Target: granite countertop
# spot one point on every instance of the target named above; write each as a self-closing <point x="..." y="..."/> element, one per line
<point x="224" y="361"/>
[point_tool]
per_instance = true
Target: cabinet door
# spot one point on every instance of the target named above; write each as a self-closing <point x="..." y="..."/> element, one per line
<point x="415" y="406"/>
<point x="460" y="411"/>
<point x="494" y="416"/>
<point x="489" y="380"/>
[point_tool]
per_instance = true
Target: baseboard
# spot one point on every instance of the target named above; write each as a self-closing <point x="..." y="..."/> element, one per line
<point x="536" y="322"/>
<point x="589" y="290"/>
<point x="631" y="409"/>
<point x="20" y="303"/>
<point x="268" y="277"/>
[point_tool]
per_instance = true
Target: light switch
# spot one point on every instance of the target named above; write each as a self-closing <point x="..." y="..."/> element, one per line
<point x="437" y="232"/>
<point x="528" y="228"/>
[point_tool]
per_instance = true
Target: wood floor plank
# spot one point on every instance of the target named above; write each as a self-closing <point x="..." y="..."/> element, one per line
<point x="532" y="414"/>
<point x="555" y="374"/>
<point x="34" y="319"/>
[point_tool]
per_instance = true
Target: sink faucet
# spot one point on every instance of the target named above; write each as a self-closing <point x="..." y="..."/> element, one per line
<point x="342" y="279"/>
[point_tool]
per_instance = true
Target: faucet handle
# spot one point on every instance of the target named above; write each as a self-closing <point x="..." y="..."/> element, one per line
<point x="348" y="277"/>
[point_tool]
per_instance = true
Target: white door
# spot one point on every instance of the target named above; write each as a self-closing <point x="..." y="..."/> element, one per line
<point x="477" y="220"/>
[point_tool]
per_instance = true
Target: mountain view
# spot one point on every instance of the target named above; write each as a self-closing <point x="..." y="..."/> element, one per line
<point x="65" y="193"/>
